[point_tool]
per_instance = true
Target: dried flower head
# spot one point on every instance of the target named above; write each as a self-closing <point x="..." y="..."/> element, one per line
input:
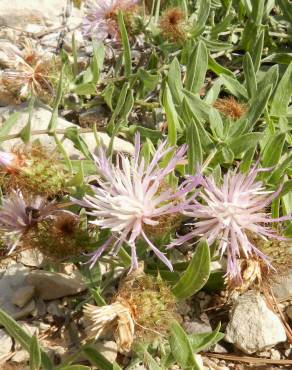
<point x="19" y="213"/>
<point x="60" y="236"/>
<point x="142" y="308"/>
<point x="32" y="169"/>
<point x="27" y="71"/>
<point x="173" y="23"/>
<point x="230" y="107"/>
<point x="101" y="17"/>
<point x="230" y="213"/>
<point x="129" y="198"/>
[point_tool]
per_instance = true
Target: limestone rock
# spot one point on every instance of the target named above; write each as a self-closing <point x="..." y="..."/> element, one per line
<point x="282" y="289"/>
<point x="5" y="344"/>
<point x="20" y="356"/>
<point x="12" y="279"/>
<point x="53" y="285"/>
<point x="253" y="326"/>
<point x="30" y="257"/>
<point x="40" y="120"/>
<point x="22" y="295"/>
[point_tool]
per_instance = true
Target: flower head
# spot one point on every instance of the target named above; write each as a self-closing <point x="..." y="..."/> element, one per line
<point x="9" y="161"/>
<point x="130" y="198"/>
<point x="27" y="71"/>
<point x="18" y="214"/>
<point x="232" y="213"/>
<point x="101" y="19"/>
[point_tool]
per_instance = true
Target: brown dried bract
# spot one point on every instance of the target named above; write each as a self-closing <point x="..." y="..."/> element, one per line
<point x="172" y="24"/>
<point x="230" y="107"/>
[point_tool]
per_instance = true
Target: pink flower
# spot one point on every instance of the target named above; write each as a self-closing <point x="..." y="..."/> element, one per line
<point x="231" y="213"/>
<point x="131" y="198"/>
<point x="101" y="18"/>
<point x="18" y="214"/>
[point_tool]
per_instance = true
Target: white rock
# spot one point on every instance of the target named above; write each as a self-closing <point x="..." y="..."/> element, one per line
<point x="20" y="356"/>
<point x="30" y="257"/>
<point x="19" y="13"/>
<point x="5" y="343"/>
<point x="40" y="120"/>
<point x="199" y="360"/>
<point x="283" y="288"/>
<point x="253" y="326"/>
<point x="108" y="349"/>
<point x="53" y="285"/>
<point x="22" y="295"/>
<point x="12" y="279"/>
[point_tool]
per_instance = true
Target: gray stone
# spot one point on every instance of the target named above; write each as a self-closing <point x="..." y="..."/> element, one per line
<point x="53" y="285"/>
<point x="253" y="326"/>
<point x="22" y="295"/>
<point x="198" y="325"/>
<point x="40" y="120"/>
<point x="12" y="279"/>
<point x="5" y="344"/>
<point x="54" y="309"/>
<point x="108" y="349"/>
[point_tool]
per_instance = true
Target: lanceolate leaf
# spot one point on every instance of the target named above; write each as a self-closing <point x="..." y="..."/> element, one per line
<point x="197" y="68"/>
<point x="196" y="274"/>
<point x="283" y="94"/>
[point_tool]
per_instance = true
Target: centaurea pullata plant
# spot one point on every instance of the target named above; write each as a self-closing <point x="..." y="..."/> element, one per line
<point x="232" y="213"/>
<point x="131" y="198"/>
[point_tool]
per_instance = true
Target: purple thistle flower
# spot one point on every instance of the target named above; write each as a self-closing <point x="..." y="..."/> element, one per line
<point x="232" y="213"/>
<point x="130" y="198"/>
<point x="18" y="214"/>
<point x="8" y="160"/>
<point x="101" y="18"/>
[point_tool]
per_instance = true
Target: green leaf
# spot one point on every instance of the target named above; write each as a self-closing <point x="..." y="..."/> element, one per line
<point x="171" y="117"/>
<point x="273" y="150"/>
<point x="35" y="354"/>
<point x="8" y="124"/>
<point x="203" y="13"/>
<point x="174" y="81"/>
<point x="234" y="86"/>
<point x="126" y="44"/>
<point x="181" y="348"/>
<point x="97" y="358"/>
<point x="243" y="143"/>
<point x="195" y="153"/>
<point x="257" y="106"/>
<point x="54" y="119"/>
<point x="283" y="94"/>
<point x="196" y="274"/>
<point x="202" y="341"/>
<point x="74" y="367"/>
<point x="286" y="8"/>
<point x="145" y="356"/>
<point x="25" y="133"/>
<point x="72" y="134"/>
<point x="21" y="336"/>
<point x="269" y="78"/>
<point x="218" y="68"/>
<point x="250" y="77"/>
<point x="197" y="68"/>
<point x="257" y="51"/>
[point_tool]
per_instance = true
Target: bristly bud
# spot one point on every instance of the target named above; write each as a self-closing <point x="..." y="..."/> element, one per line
<point x="60" y="236"/>
<point x="35" y="170"/>
<point x="230" y="107"/>
<point x="172" y="24"/>
<point x="142" y="308"/>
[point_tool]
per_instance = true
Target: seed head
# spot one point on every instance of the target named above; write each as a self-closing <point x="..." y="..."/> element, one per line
<point x="172" y="24"/>
<point x="230" y="107"/>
